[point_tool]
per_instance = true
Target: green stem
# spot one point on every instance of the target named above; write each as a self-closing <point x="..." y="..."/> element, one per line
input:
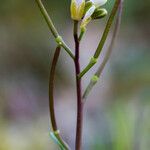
<point x="52" y="28"/>
<point x="81" y="34"/>
<point x="108" y="53"/>
<point x="47" y="18"/>
<point x="55" y="133"/>
<point x="107" y="29"/>
<point x="103" y="39"/>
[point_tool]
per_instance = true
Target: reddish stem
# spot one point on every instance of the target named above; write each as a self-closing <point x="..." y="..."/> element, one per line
<point x="79" y="125"/>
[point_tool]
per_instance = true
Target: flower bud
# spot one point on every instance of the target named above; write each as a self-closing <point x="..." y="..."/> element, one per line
<point x="99" y="13"/>
<point x="88" y="5"/>
<point x="77" y="9"/>
<point x="92" y="11"/>
<point x="87" y="18"/>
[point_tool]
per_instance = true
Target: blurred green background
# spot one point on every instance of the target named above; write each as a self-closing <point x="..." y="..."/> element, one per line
<point x="118" y="109"/>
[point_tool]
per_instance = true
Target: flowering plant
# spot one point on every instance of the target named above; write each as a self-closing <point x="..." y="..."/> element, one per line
<point x="82" y="12"/>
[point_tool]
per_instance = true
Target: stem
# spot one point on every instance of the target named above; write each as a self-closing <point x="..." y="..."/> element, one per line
<point x="51" y="99"/>
<point x="114" y="36"/>
<point x="53" y="29"/>
<point x="103" y="39"/>
<point x="108" y="53"/>
<point x="47" y="18"/>
<point x="107" y="29"/>
<point x="51" y="89"/>
<point x="81" y="34"/>
<point x="79" y="125"/>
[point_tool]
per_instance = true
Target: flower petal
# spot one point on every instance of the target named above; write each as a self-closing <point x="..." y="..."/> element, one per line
<point x="87" y="17"/>
<point x="77" y="9"/>
<point x="98" y="3"/>
<point x="89" y="12"/>
<point x="79" y="2"/>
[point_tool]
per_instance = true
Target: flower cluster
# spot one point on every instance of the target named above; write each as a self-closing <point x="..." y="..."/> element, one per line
<point x="87" y="10"/>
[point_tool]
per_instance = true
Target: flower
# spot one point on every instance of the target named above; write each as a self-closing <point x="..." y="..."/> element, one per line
<point x="98" y="3"/>
<point x="77" y="9"/>
<point x="88" y="15"/>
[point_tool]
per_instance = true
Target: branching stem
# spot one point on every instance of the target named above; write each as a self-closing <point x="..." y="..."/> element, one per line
<point x="53" y="29"/>
<point x="107" y="55"/>
<point x="103" y="39"/>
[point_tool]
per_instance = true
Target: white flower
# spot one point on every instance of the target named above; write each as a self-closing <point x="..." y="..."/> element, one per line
<point x="77" y="9"/>
<point x="89" y="13"/>
<point x="98" y="3"/>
